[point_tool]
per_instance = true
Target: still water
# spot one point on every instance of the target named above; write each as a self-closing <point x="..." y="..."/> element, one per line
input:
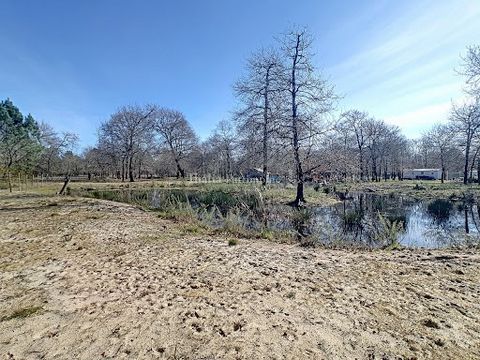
<point x="422" y="223"/>
<point x="363" y="219"/>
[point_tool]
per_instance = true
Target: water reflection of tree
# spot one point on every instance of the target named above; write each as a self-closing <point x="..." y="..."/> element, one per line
<point x="473" y="208"/>
<point x="353" y="216"/>
<point x="360" y="215"/>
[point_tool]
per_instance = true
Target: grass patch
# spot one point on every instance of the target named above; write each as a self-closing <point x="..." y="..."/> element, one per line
<point x="430" y="323"/>
<point x="290" y="295"/>
<point x="267" y="234"/>
<point x="232" y="242"/>
<point x="23" y="313"/>
<point x="194" y="228"/>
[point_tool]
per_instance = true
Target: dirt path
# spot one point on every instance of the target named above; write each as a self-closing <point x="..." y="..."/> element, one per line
<point x="89" y="279"/>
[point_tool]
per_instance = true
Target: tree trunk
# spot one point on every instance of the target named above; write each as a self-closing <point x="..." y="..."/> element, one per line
<point x="123" y="169"/>
<point x="265" y="143"/>
<point x="442" y="161"/>
<point x="467" y="229"/>
<point x="130" y="169"/>
<point x="465" y="171"/>
<point x="472" y="167"/>
<point x="478" y="170"/>
<point x="374" y="170"/>
<point x="9" y="179"/>
<point x="229" y="164"/>
<point x="180" y="171"/>
<point x="361" y="164"/>
<point x="265" y="127"/>
<point x="299" y="198"/>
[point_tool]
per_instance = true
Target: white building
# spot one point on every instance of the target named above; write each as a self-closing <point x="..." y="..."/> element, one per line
<point x="423" y="174"/>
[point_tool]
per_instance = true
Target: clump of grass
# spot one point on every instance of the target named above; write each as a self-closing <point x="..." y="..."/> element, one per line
<point x="352" y="219"/>
<point x="419" y="187"/>
<point x="431" y="324"/>
<point x="234" y="223"/>
<point x="194" y="228"/>
<point x="290" y="295"/>
<point x="440" y="209"/>
<point x="232" y="242"/>
<point x="266" y="234"/>
<point x="386" y="232"/>
<point x="301" y="219"/>
<point x="22" y="313"/>
<point x="237" y="325"/>
<point x="399" y="218"/>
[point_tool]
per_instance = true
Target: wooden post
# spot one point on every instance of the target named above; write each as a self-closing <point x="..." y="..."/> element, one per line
<point x="67" y="180"/>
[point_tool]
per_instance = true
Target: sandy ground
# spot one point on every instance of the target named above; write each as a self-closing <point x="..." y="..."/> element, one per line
<point x="91" y="279"/>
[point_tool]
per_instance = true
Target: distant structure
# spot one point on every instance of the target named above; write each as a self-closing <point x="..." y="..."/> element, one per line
<point x="423" y="174"/>
<point x="253" y="173"/>
<point x="257" y="174"/>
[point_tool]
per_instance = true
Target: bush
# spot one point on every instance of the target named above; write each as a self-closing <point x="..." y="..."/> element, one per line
<point x="440" y="209"/>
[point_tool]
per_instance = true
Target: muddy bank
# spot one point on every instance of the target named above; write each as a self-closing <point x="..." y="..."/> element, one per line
<point x="93" y="279"/>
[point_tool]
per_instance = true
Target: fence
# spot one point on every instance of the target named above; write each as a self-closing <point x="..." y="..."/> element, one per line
<point x="234" y="180"/>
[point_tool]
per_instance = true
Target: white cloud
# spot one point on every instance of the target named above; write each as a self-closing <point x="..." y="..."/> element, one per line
<point x="414" y="122"/>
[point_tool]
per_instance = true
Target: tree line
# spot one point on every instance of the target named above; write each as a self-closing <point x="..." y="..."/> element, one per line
<point x="285" y="123"/>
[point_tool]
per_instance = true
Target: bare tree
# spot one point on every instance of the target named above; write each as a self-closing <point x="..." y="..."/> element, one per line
<point x="177" y="135"/>
<point x="391" y="146"/>
<point x="258" y="91"/>
<point x="471" y="70"/>
<point x="309" y="98"/>
<point x="465" y="121"/>
<point x="354" y="121"/>
<point x="55" y="145"/>
<point x="126" y="133"/>
<point x="376" y="132"/>
<point x="439" y="138"/>
<point x="223" y="144"/>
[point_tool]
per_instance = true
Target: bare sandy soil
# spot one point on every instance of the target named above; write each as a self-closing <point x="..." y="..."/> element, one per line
<point x="91" y="279"/>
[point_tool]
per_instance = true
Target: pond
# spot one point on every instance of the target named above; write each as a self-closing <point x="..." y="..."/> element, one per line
<point x="361" y="219"/>
<point x="420" y="223"/>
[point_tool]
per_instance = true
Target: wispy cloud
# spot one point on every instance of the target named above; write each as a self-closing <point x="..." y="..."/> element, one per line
<point x="405" y="72"/>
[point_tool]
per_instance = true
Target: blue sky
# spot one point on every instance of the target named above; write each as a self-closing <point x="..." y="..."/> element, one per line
<point x="73" y="63"/>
